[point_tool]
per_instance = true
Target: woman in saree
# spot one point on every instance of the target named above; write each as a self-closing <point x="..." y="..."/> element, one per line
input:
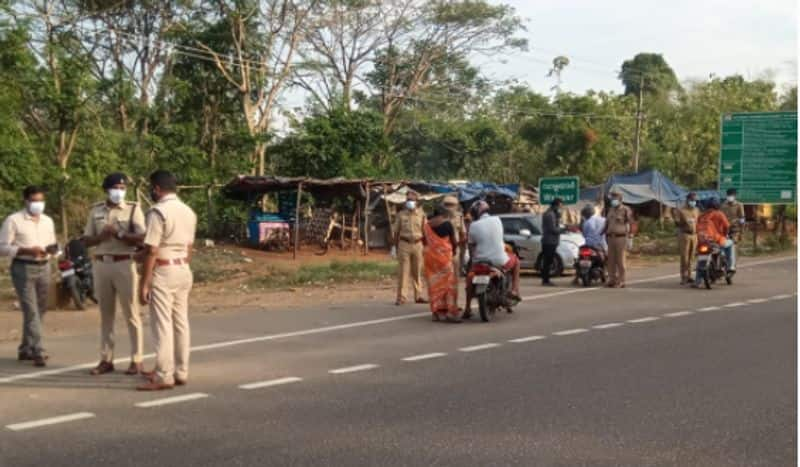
<point x="440" y="246"/>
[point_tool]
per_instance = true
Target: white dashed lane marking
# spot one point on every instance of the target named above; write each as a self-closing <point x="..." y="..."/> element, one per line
<point x="353" y="369"/>
<point x="526" y="339"/>
<point x="475" y="348"/>
<point x="646" y="319"/>
<point x="50" y="421"/>
<point x="780" y="297"/>
<point x="757" y="300"/>
<point x="172" y="400"/>
<point x="678" y="314"/>
<point x="708" y="308"/>
<point x="570" y="332"/>
<point x="271" y="382"/>
<point x="608" y="325"/>
<point x="425" y="356"/>
<point x="735" y="304"/>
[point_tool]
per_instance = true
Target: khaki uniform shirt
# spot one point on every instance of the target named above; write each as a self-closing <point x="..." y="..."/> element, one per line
<point x="21" y="230"/>
<point x="618" y="220"/>
<point x="171" y="226"/>
<point x="686" y="219"/>
<point x="733" y="211"/>
<point x="457" y="219"/>
<point x="126" y="217"/>
<point x="409" y="224"/>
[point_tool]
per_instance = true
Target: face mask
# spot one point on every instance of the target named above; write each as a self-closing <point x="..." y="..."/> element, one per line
<point x="614" y="203"/>
<point x="692" y="204"/>
<point x="36" y="207"/>
<point x="731" y="199"/>
<point x="116" y="195"/>
<point x="410" y="205"/>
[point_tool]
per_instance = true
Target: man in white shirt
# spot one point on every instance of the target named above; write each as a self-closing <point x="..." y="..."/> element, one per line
<point x="28" y="237"/>
<point x="487" y="246"/>
<point x="592" y="229"/>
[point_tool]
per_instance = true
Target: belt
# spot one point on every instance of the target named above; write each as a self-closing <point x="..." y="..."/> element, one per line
<point x="408" y="240"/>
<point x="613" y="235"/>
<point x="171" y="262"/>
<point x="112" y="258"/>
<point x="34" y="262"/>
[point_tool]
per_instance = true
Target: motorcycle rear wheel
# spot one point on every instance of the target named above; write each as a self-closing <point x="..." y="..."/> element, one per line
<point x="77" y="296"/>
<point x="483" y="309"/>
<point x="707" y="277"/>
<point x="586" y="279"/>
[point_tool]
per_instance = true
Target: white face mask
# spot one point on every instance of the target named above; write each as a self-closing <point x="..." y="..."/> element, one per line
<point x="410" y="205"/>
<point x="692" y="204"/>
<point x="35" y="208"/>
<point x="731" y="199"/>
<point x="116" y="195"/>
<point x="614" y="202"/>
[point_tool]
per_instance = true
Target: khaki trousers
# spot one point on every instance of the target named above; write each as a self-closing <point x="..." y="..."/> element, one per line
<point x="169" y="316"/>
<point x="616" y="259"/>
<point x="687" y="243"/>
<point x="116" y="283"/>
<point x="409" y="269"/>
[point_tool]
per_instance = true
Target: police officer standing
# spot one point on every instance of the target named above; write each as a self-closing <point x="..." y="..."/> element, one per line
<point x="115" y="227"/>
<point x="167" y="281"/>
<point x="408" y="237"/>
<point x="686" y="222"/>
<point x="28" y="237"/>
<point x="619" y="221"/>
<point x="734" y="211"/>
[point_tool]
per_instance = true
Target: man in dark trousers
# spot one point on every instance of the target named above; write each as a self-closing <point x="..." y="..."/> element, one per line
<point x="551" y="236"/>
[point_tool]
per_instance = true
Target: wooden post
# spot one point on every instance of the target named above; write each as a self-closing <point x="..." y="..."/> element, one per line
<point x="366" y="221"/>
<point x="297" y="221"/>
<point x="210" y="214"/>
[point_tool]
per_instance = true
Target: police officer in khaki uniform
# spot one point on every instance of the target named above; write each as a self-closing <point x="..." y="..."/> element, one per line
<point x="457" y="220"/>
<point x="686" y="222"/>
<point x="167" y="281"/>
<point x="115" y="227"/>
<point x="619" y="221"/>
<point x="408" y="238"/>
<point x="734" y="211"/>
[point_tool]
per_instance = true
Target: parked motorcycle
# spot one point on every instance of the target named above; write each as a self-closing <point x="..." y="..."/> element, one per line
<point x="491" y="286"/>
<point x="712" y="265"/>
<point x="76" y="274"/>
<point x="590" y="266"/>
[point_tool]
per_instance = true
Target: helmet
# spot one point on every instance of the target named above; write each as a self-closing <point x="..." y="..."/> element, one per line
<point x="478" y="209"/>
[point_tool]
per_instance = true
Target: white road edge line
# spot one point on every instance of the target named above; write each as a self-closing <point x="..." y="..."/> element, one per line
<point x="608" y="325"/>
<point x="646" y="319"/>
<point x="570" y="332"/>
<point x="780" y="297"/>
<point x="708" y="308"/>
<point x="50" y="421"/>
<point x="521" y="340"/>
<point x="353" y="369"/>
<point x="678" y="314"/>
<point x="425" y="356"/>
<point x="270" y="383"/>
<point x="734" y="305"/>
<point x="171" y="400"/>
<point x="338" y="327"/>
<point x="758" y="300"/>
<point x="475" y="348"/>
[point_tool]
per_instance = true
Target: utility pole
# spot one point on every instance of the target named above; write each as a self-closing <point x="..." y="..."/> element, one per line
<point x="639" y="118"/>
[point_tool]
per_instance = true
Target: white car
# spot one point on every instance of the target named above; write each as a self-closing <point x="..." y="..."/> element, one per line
<point x="524" y="232"/>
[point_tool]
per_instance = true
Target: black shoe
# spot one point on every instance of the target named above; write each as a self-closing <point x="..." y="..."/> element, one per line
<point x="40" y="361"/>
<point x="548" y="284"/>
<point x="23" y="357"/>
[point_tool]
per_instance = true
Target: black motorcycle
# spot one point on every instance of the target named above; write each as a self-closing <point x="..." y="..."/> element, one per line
<point x="712" y="265"/>
<point x="76" y="274"/>
<point x="590" y="267"/>
<point x="491" y="286"/>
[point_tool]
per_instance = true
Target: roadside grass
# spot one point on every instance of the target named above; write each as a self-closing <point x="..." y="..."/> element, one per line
<point x="215" y="264"/>
<point x="324" y="274"/>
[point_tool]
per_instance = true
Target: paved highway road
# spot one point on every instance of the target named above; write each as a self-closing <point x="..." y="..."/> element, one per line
<point x="650" y="375"/>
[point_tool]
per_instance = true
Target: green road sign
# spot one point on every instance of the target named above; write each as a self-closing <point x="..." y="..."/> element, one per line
<point x="758" y="156"/>
<point x="566" y="188"/>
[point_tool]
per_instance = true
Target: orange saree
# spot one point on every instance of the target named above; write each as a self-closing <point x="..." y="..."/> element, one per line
<point x="440" y="275"/>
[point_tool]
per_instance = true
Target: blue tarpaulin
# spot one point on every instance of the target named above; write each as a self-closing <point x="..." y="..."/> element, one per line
<point x="468" y="191"/>
<point x="640" y="188"/>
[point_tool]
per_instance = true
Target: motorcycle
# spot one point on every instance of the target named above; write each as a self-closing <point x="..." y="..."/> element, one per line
<point x="491" y="286"/>
<point x="712" y="264"/>
<point x="590" y="266"/>
<point x="76" y="274"/>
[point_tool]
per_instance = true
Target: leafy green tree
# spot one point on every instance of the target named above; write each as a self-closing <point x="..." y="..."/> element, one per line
<point x="651" y="71"/>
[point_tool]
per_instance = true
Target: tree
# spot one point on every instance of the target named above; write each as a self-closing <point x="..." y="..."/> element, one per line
<point x="559" y="63"/>
<point x="650" y="73"/>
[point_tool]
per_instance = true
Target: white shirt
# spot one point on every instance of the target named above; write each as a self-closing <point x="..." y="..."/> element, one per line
<point x="21" y="230"/>
<point x="486" y="234"/>
<point x="593" y="231"/>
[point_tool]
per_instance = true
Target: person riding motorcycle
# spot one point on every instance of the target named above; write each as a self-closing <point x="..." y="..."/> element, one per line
<point x="713" y="226"/>
<point x="486" y="245"/>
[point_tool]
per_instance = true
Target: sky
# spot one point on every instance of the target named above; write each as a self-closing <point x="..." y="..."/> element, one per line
<point x="697" y="38"/>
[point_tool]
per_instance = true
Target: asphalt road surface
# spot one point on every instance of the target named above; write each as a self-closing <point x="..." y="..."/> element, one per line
<point x="654" y="374"/>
